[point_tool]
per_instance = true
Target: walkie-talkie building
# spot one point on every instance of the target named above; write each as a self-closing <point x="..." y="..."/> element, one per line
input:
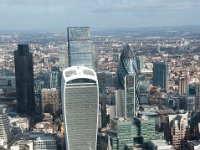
<point x="80" y="105"/>
<point x="24" y="80"/>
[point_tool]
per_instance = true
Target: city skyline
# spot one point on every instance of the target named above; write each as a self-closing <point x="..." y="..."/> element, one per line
<point x="51" y="14"/>
<point x="93" y="104"/>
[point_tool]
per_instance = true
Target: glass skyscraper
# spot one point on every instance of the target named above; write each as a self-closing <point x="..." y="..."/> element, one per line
<point x="63" y="57"/>
<point x="80" y="103"/>
<point x="126" y="66"/>
<point x="161" y="75"/>
<point x="81" y="50"/>
<point x="126" y="98"/>
<point x="24" y="80"/>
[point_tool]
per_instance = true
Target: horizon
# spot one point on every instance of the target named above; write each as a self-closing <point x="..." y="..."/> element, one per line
<point x="97" y="29"/>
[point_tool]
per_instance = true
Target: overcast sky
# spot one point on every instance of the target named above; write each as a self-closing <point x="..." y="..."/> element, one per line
<point x="58" y="14"/>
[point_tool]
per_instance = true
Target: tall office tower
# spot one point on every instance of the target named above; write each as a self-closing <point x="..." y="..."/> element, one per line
<point x="5" y="134"/>
<point x="140" y="64"/>
<point x="181" y="86"/>
<point x="102" y="97"/>
<point x="50" y="101"/>
<point x="187" y="81"/>
<point x="80" y="103"/>
<point x="24" y="80"/>
<point x="195" y="126"/>
<point x="53" y="79"/>
<point x="197" y="98"/>
<point x="161" y="75"/>
<point x="81" y="50"/>
<point x="63" y="57"/>
<point x="177" y="130"/>
<point x="127" y="83"/>
<point x="144" y="89"/>
<point x="190" y="103"/>
<point x="158" y="47"/>
<point x="130" y="95"/>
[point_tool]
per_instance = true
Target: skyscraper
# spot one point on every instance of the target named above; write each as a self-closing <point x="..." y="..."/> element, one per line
<point x="80" y="99"/>
<point x="177" y="130"/>
<point x="126" y="98"/>
<point x="24" y="80"/>
<point x="81" y="50"/>
<point x="50" y="101"/>
<point x="5" y="134"/>
<point x="181" y="86"/>
<point x="53" y="79"/>
<point x="63" y="57"/>
<point x="197" y="103"/>
<point x="161" y="75"/>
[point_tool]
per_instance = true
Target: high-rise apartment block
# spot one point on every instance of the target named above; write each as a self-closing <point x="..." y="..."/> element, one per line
<point x="81" y="50"/>
<point x="24" y="80"/>
<point x="161" y="75"/>
<point x="80" y="103"/>
<point x="50" y="101"/>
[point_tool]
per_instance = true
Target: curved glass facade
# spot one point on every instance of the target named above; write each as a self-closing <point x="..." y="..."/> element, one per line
<point x="127" y="66"/>
<point x="80" y="106"/>
<point x="127" y="84"/>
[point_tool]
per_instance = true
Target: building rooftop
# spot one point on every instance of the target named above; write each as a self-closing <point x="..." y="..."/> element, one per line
<point x="194" y="142"/>
<point x="160" y="144"/>
<point x="36" y="135"/>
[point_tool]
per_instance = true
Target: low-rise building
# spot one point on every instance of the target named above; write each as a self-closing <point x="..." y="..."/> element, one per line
<point x="35" y="141"/>
<point x="159" y="145"/>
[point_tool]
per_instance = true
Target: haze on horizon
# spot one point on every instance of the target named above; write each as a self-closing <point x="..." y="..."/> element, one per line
<point x="58" y="14"/>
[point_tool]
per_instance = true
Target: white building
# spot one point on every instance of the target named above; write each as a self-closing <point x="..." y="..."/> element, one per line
<point x="45" y="126"/>
<point x="80" y="99"/>
<point x="45" y="143"/>
<point x="21" y="122"/>
<point x="35" y="141"/>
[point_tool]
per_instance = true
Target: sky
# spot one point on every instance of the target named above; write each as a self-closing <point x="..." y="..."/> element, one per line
<point x="58" y="14"/>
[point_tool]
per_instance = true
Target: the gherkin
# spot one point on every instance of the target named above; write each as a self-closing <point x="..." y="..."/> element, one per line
<point x="127" y="84"/>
